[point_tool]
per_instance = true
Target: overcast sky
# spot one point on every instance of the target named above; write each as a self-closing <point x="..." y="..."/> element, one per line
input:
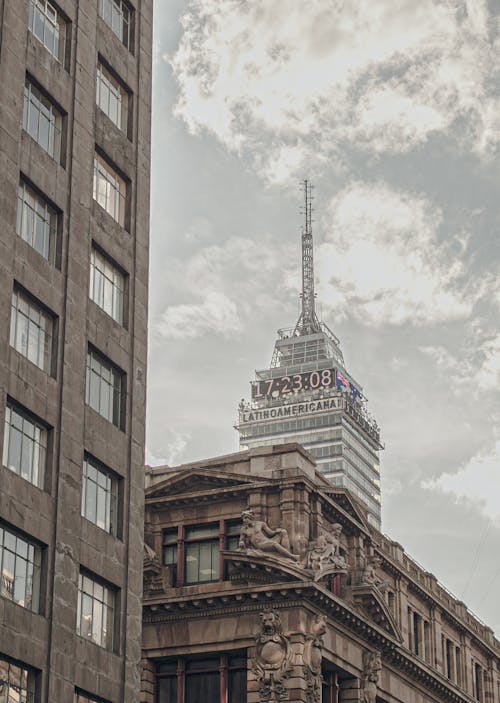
<point x="394" y="115"/>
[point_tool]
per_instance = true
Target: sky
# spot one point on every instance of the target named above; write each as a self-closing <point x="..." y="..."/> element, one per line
<point x="392" y="110"/>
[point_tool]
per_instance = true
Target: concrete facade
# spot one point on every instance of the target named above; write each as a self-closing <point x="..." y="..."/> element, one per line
<point x="254" y="557"/>
<point x="63" y="666"/>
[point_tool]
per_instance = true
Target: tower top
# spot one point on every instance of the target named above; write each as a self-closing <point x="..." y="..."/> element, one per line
<point x="308" y="322"/>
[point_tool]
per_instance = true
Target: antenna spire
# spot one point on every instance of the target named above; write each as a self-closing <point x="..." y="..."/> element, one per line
<point x="308" y="322"/>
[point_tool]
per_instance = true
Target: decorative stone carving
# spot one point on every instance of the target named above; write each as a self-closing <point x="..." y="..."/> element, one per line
<point x="273" y="658"/>
<point x="258" y="538"/>
<point x="372" y="666"/>
<point x="312" y="659"/>
<point x="325" y="555"/>
<point x="152" y="572"/>
<point x="370" y="574"/>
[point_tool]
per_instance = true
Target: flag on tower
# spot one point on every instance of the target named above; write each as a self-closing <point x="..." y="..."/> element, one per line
<point x="342" y="381"/>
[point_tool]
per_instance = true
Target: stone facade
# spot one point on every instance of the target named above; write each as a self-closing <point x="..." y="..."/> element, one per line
<point x="46" y="513"/>
<point x="265" y="584"/>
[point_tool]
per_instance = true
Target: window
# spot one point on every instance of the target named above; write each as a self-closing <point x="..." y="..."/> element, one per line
<point x="105" y="390"/>
<point x="478" y="682"/>
<point x="107" y="285"/>
<point x="31" y="330"/>
<point x="36" y="222"/>
<point x="84" y="698"/>
<point x="213" y="679"/>
<point x="24" y="445"/>
<point x="95" y="614"/>
<point x="99" y="495"/>
<point x="20" y="570"/>
<point x="17" y="682"/>
<point x="109" y="189"/>
<point x="117" y="15"/>
<point x="329" y="687"/>
<point x="48" y="26"/>
<point x="42" y="120"/>
<point x="111" y="97"/>
<point x="193" y="553"/>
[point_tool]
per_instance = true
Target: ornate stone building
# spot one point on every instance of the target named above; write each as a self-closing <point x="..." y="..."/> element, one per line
<point x="265" y="583"/>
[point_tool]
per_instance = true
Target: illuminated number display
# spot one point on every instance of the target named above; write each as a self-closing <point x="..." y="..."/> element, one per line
<point x="274" y="387"/>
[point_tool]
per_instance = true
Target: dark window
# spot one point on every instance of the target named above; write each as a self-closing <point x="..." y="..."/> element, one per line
<point x="218" y="679"/>
<point x="20" y="562"/>
<point x="17" y="682"/>
<point x="48" y="26"/>
<point x="105" y="388"/>
<point x="329" y="687"/>
<point x="99" y="495"/>
<point x="24" y="445"/>
<point x="37" y="222"/>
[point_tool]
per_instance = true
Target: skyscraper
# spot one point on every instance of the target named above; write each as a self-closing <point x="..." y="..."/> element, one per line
<point x="308" y="396"/>
<point x="75" y="96"/>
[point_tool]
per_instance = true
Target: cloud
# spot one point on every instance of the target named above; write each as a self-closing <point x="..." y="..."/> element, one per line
<point x="477" y="483"/>
<point x="173" y="445"/>
<point x="478" y="361"/>
<point x="231" y="283"/>
<point x="285" y="86"/>
<point x="383" y="262"/>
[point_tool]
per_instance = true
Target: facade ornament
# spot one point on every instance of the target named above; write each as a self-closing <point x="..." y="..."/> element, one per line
<point x="257" y="538"/>
<point x="152" y="572"/>
<point x="273" y="658"/>
<point x="372" y="666"/>
<point x="313" y="657"/>
<point x="369" y="574"/>
<point x="325" y="555"/>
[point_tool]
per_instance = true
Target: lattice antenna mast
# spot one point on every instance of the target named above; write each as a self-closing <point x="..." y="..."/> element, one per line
<point x="308" y="322"/>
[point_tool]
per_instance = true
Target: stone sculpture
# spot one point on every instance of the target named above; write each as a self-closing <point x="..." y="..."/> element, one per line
<point x="257" y="537"/>
<point x="370" y="574"/>
<point x="312" y="659"/>
<point x="372" y="666"/>
<point x="273" y="658"/>
<point x="324" y="554"/>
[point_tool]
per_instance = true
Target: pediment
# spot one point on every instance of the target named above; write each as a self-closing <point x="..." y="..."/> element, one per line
<point x="348" y="503"/>
<point x="194" y="480"/>
<point x="368" y="599"/>
<point x="260" y="568"/>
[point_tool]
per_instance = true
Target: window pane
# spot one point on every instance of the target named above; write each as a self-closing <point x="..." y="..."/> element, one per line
<point x="24" y="446"/>
<point x="167" y="689"/>
<point x="202" y="687"/>
<point x="31" y="330"/>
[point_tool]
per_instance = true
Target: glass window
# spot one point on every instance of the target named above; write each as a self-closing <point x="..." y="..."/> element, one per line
<point x="17" y="683"/>
<point x="170" y="551"/>
<point x="42" y="120"/>
<point x="99" y="495"/>
<point x="202" y="554"/>
<point x="19" y="569"/>
<point x="31" y="330"/>
<point x="107" y="285"/>
<point x="24" y="445"/>
<point x="111" y="97"/>
<point x="48" y="26"/>
<point x="104" y="388"/>
<point x="109" y="189"/>
<point x="36" y="222"/>
<point x="213" y="679"/>
<point x="95" y="614"/>
<point x="117" y="15"/>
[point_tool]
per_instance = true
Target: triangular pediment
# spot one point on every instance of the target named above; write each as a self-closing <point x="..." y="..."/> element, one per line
<point x="196" y="480"/>
<point x="348" y="503"/>
<point x="368" y="599"/>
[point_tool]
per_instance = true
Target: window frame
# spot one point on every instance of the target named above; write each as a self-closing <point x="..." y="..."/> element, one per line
<point x="42" y="448"/>
<point x="180" y="672"/>
<point x="226" y="537"/>
<point x="118" y="294"/>
<point x="126" y="35"/>
<point x="36" y="99"/>
<point x="111" y="608"/>
<point x="60" y="26"/>
<point x="119" y="391"/>
<point x="27" y="673"/>
<point x="45" y="338"/>
<point x="34" y="209"/>
<point x="111" y="495"/>
<point x="110" y="189"/>
<point x="113" y="83"/>
<point x="31" y="553"/>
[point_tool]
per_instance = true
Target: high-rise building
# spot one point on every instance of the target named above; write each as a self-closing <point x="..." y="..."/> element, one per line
<point x="75" y="100"/>
<point x="308" y="396"/>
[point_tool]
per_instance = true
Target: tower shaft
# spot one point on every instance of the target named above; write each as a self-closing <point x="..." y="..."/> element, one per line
<point x="308" y="322"/>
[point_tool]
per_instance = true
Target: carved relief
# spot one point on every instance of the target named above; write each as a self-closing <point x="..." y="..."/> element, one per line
<point x="369" y="574"/>
<point x="325" y="555"/>
<point x="152" y="572"/>
<point x="273" y="655"/>
<point x="312" y="659"/>
<point x="258" y="538"/>
<point x="372" y="666"/>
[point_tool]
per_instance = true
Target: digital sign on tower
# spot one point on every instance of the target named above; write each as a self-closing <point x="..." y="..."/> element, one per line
<point x="275" y="387"/>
